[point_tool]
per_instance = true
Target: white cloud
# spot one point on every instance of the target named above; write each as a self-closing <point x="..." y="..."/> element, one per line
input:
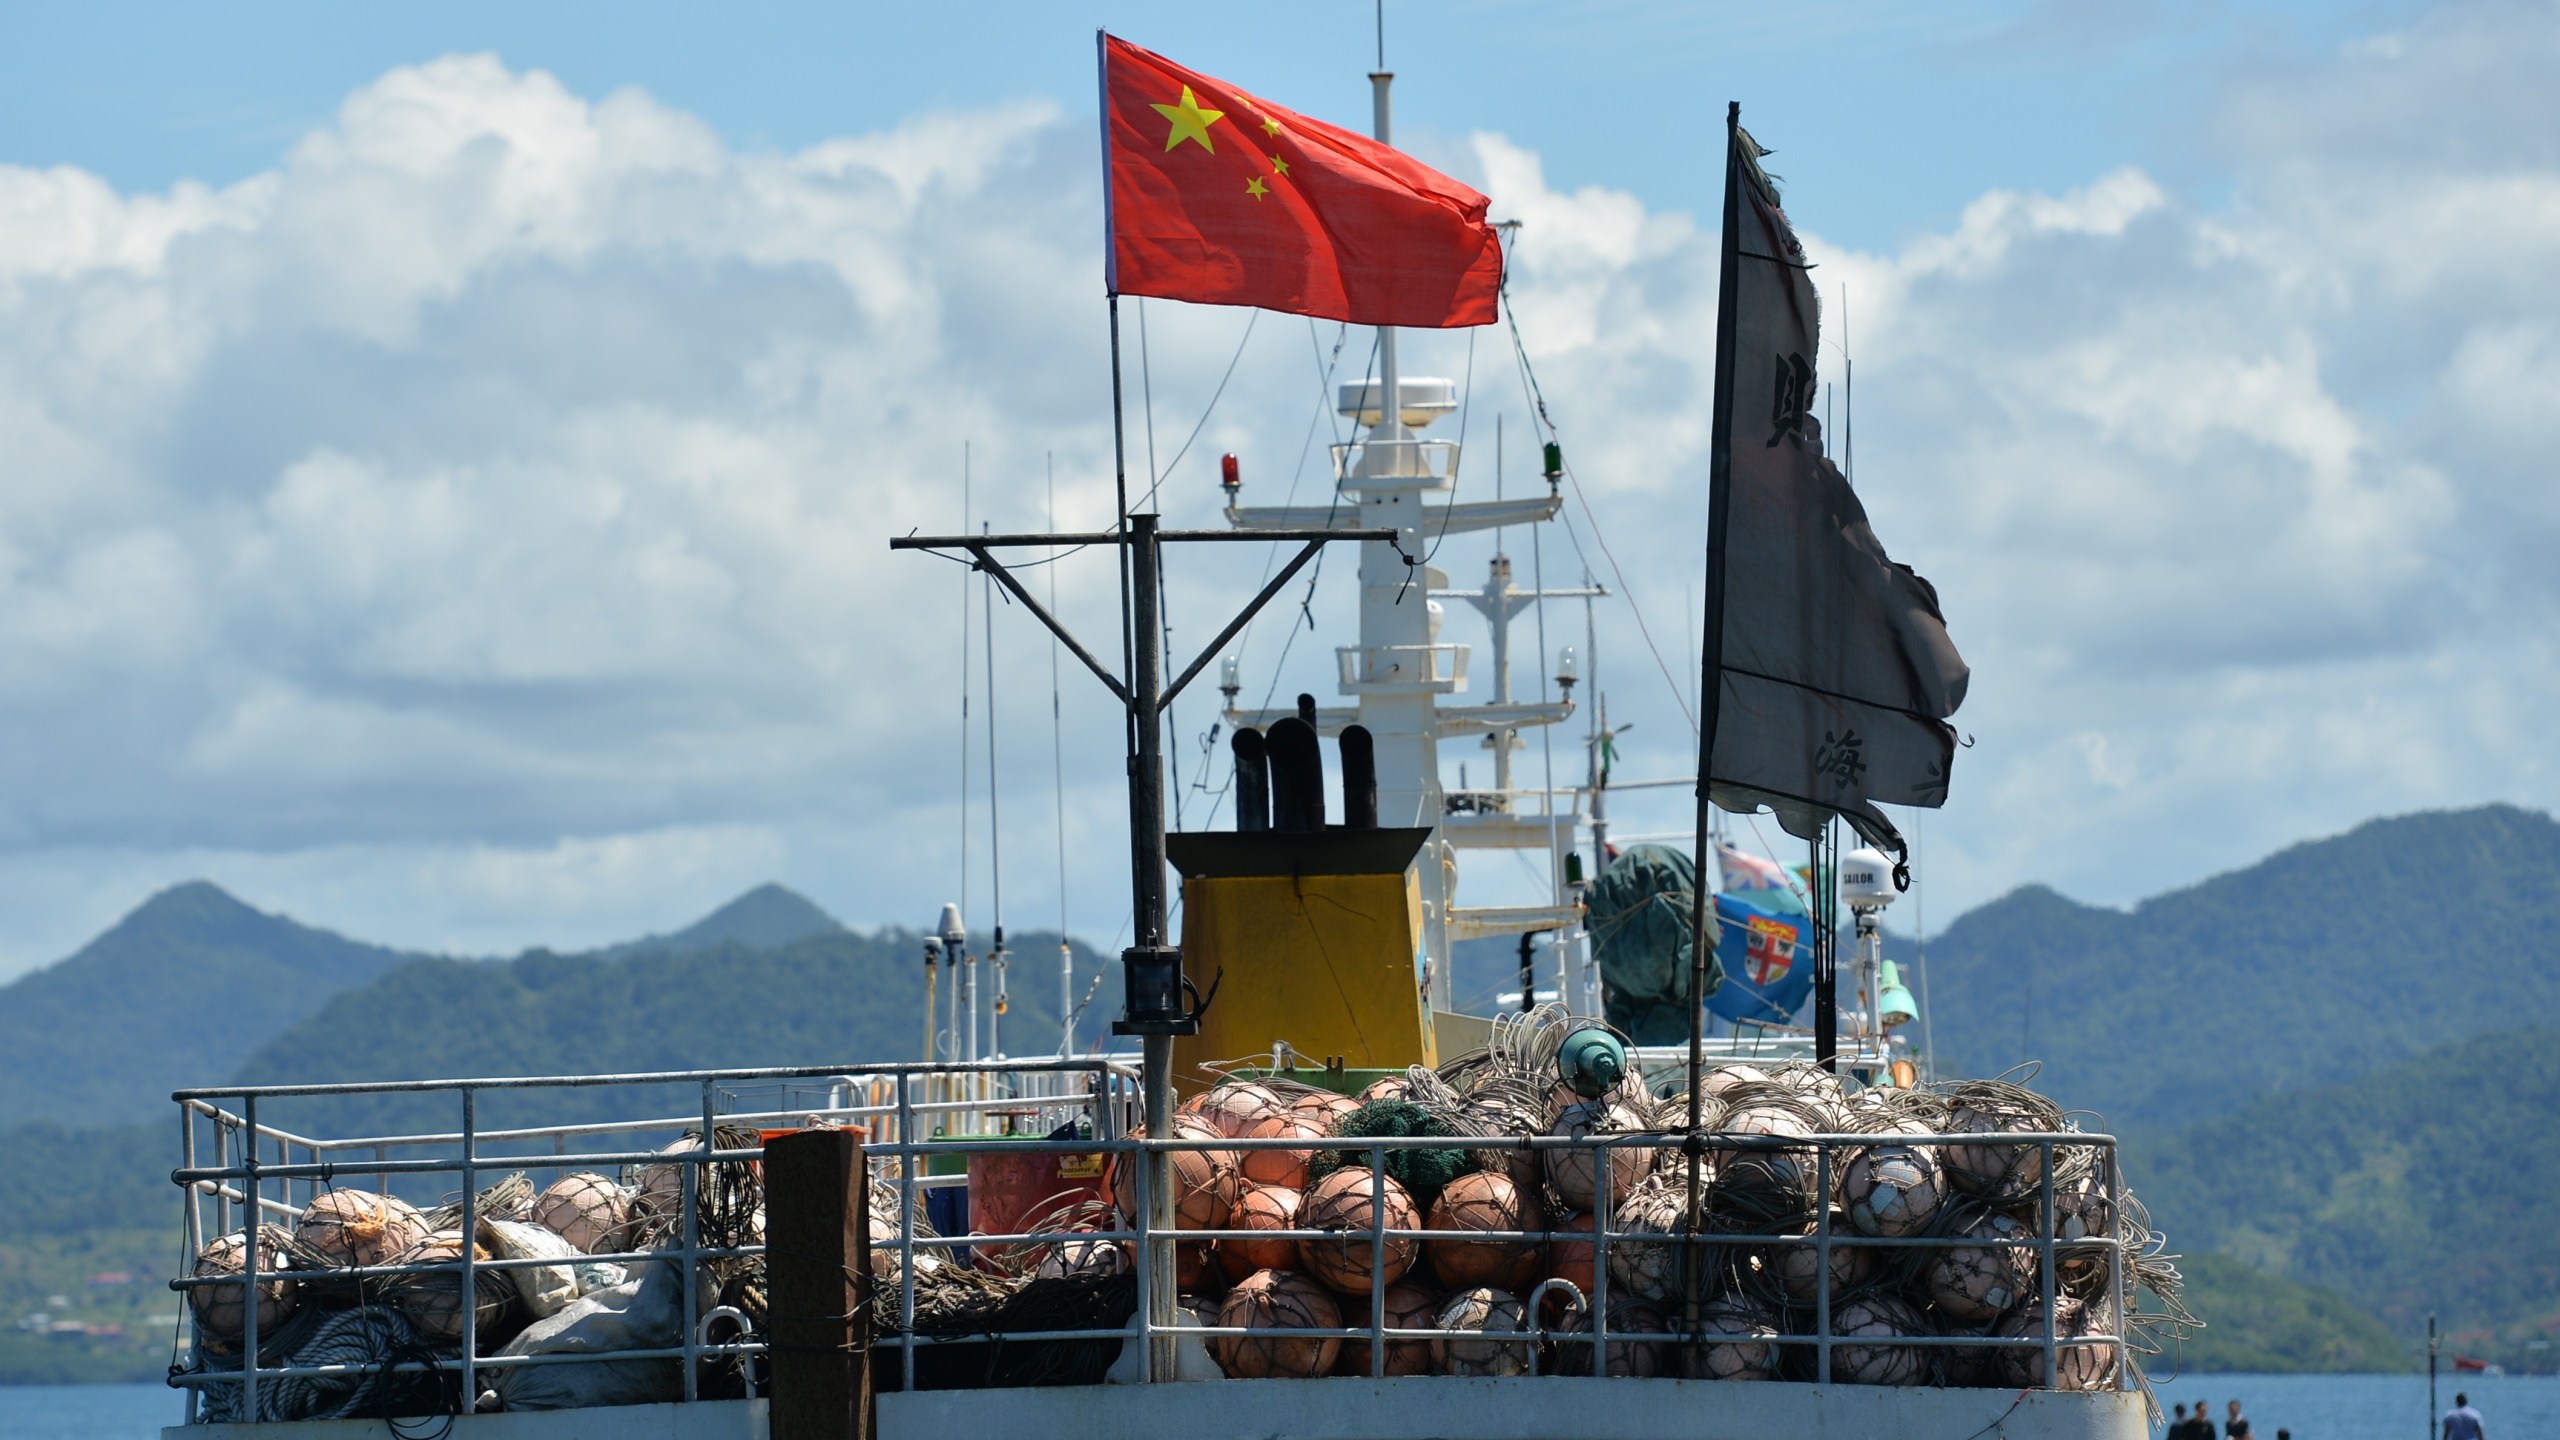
<point x="472" y="532"/>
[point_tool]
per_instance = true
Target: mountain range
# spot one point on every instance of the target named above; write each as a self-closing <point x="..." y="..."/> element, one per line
<point x="2328" y="1067"/>
<point x="2326" y="961"/>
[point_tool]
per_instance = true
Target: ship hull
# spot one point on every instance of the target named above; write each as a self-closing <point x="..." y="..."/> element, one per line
<point x="1416" y="1408"/>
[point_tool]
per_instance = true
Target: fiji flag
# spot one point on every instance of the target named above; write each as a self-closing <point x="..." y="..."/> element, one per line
<point x="1767" y="960"/>
<point x="1764" y="883"/>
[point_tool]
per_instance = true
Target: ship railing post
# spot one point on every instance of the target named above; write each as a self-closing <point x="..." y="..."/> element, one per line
<point x="195" y="1247"/>
<point x="2115" y="1272"/>
<point x="1601" y="1213"/>
<point x="1822" y="1261"/>
<point x="1148" y="1277"/>
<point x="1603" y="1198"/>
<point x="2044" y="1244"/>
<point x="470" y="1298"/>
<point x="250" y="1188"/>
<point x="907" y="1233"/>
<point x="696" y="1175"/>
<point x="221" y="1187"/>
<point x="1378" y="1261"/>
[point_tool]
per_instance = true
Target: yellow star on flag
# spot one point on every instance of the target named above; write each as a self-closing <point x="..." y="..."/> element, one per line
<point x="1279" y="166"/>
<point x="1190" y="122"/>
<point x="1270" y="126"/>
<point x="1255" y="188"/>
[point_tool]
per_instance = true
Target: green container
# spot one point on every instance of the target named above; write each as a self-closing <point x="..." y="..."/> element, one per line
<point x="1340" y="1082"/>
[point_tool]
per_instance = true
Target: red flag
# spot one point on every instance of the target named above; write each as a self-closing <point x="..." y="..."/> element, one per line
<point x="1219" y="197"/>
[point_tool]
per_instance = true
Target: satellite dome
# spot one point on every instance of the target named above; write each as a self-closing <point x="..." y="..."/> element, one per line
<point x="1866" y="879"/>
<point x="1420" y="399"/>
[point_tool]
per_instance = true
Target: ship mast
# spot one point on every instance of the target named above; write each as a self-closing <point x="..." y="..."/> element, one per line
<point x="1400" y="668"/>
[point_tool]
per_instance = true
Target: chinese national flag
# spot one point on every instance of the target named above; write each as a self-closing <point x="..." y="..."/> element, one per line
<point x="1224" y="199"/>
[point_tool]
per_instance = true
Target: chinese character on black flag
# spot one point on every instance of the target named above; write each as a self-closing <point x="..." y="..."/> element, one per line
<point x="1829" y="665"/>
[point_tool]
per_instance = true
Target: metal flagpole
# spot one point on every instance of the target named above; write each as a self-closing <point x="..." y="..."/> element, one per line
<point x="995" y="829"/>
<point x="1710" y="699"/>
<point x="1146" y="788"/>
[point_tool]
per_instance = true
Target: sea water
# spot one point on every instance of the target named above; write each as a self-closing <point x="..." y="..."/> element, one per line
<point x="88" y="1412"/>
<point x="2369" y="1407"/>
<point x="2313" y="1407"/>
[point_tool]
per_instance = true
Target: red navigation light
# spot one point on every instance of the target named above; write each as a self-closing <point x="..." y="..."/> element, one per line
<point x="1227" y="473"/>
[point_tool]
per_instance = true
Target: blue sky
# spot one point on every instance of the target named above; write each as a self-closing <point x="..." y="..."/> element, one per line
<point x="445" y="454"/>
<point x="1898" y="112"/>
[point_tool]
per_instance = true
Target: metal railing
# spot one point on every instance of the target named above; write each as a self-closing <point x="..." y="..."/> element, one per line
<point x="898" y="1108"/>
<point x="243" y="1185"/>
<point x="1822" y="1239"/>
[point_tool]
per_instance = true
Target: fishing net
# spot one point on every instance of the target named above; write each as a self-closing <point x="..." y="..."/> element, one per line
<point x="222" y="1311"/>
<point x="998" y="1321"/>
<point x="1573" y="1176"/>
<point x="433" y="1302"/>
<point x="1765" y="1188"/>
<point x="1409" y="1306"/>
<point x="1638" y="1359"/>
<point x="586" y="1209"/>
<point x="1858" y="1358"/>
<point x="1485" y="1201"/>
<point x="1736" y="1348"/>
<point x="1277" y="1300"/>
<point x="1347" y="1205"/>
<point x="1473" y="1313"/>
<point x="1990" y="1170"/>
<point x="1423" y="1173"/>
<point x="348" y="1229"/>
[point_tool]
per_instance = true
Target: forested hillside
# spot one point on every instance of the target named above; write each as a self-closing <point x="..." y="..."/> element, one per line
<point x="178" y="993"/>
<point x="835" y="999"/>
<point x="2322" y="962"/>
<point x="2429" y="1185"/>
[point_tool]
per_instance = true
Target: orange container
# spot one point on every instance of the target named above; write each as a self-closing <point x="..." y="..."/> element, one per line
<point x="1008" y="1192"/>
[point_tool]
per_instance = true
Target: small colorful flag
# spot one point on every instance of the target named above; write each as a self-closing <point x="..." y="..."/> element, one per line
<point x="1761" y="881"/>
<point x="1768" y="967"/>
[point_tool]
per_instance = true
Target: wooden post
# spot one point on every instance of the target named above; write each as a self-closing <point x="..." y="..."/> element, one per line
<point x="818" y="1268"/>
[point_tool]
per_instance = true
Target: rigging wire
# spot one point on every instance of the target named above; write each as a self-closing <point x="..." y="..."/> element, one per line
<point x="1251" y="316"/>
<point x="1325" y="368"/>
<point x="1538" y="405"/>
<point x="1306" y="446"/>
<point x="1466" y="403"/>
<point x="1155" y="482"/>
<point x="1557" y="840"/>
<point x="1163" y="641"/>
<point x="1315" y="571"/>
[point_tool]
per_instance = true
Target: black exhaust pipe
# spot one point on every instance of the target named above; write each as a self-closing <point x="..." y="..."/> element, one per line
<point x="1253" y="781"/>
<point x="1297" y="776"/>
<point x="1359" y="779"/>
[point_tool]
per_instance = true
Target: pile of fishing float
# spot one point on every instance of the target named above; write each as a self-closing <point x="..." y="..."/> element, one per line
<point x="1490" y="1239"/>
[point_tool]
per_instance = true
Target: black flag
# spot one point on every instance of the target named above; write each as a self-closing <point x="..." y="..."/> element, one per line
<point x="1829" y="676"/>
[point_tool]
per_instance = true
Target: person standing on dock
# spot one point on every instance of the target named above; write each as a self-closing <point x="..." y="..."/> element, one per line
<point x="2462" y="1422"/>
<point x="2235" y="1426"/>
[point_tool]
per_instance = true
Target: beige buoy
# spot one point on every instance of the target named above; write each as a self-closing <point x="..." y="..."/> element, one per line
<point x="221" y="1310"/>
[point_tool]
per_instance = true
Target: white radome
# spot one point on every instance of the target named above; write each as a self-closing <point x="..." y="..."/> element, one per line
<point x="1866" y="879"/>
